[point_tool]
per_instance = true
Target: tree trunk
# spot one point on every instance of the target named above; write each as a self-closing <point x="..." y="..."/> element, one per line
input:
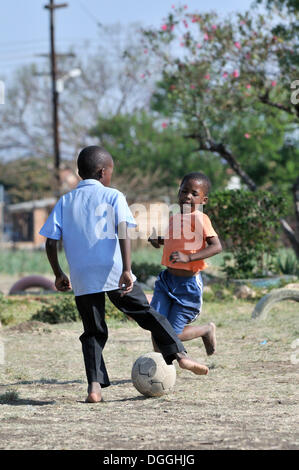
<point x="233" y="163"/>
<point x="293" y="235"/>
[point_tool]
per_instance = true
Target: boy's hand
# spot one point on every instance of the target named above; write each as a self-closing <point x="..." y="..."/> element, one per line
<point x="62" y="283"/>
<point x="153" y="239"/>
<point x="125" y="283"/>
<point x="178" y="257"/>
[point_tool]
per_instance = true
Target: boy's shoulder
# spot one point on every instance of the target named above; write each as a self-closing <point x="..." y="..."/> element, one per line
<point x="107" y="193"/>
<point x="112" y="194"/>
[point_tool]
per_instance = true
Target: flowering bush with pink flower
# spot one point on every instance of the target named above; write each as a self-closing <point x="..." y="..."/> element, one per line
<point x="225" y="58"/>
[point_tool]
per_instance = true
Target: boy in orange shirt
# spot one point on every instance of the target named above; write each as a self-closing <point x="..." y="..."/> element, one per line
<point x="190" y="239"/>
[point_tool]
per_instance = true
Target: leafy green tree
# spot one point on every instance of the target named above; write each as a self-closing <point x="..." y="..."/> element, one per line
<point x="227" y="69"/>
<point x="27" y="179"/>
<point x="143" y="146"/>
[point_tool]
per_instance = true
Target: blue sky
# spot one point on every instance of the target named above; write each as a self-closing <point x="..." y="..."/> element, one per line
<point x="24" y="24"/>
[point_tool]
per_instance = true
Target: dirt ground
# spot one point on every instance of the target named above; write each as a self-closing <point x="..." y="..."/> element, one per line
<point x="248" y="400"/>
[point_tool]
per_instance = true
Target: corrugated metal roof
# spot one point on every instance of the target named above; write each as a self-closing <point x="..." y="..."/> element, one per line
<point x="29" y="205"/>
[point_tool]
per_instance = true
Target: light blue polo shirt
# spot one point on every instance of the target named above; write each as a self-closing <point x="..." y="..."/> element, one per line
<point x="87" y="219"/>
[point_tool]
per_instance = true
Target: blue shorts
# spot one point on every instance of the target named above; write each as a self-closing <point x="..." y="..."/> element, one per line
<point x="178" y="298"/>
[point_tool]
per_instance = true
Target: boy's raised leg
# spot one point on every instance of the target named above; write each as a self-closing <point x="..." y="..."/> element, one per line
<point x="206" y="332"/>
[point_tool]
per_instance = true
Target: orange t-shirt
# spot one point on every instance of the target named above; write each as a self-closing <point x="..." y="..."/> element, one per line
<point x="187" y="233"/>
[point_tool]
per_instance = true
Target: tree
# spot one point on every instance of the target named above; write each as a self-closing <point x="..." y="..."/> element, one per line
<point x="150" y="156"/>
<point x="27" y="179"/>
<point x="227" y="68"/>
<point x="109" y="84"/>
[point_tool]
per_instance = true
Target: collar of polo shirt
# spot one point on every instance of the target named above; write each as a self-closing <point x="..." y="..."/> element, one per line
<point x="88" y="182"/>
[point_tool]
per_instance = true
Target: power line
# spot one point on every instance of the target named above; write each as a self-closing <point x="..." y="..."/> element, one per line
<point x="97" y="22"/>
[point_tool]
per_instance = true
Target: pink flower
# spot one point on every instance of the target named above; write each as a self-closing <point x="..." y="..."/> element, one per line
<point x="185" y="23"/>
<point x="214" y="26"/>
<point x="206" y="37"/>
<point x="192" y="87"/>
<point x="248" y="86"/>
<point x="145" y="51"/>
<point x="185" y="6"/>
<point x="142" y="75"/>
<point x="172" y="6"/>
<point x="207" y="77"/>
<point x="235" y="73"/>
<point x="225" y="75"/>
<point x="242" y="22"/>
<point x="164" y="125"/>
<point x="164" y="27"/>
<point x="238" y="45"/>
<point x="247" y="55"/>
<point x="171" y="27"/>
<point x="198" y="46"/>
<point x="195" y="19"/>
<point x="182" y="44"/>
<point x="274" y="83"/>
<point x="247" y="136"/>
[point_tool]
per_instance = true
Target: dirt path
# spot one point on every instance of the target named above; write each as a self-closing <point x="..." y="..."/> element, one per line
<point x="248" y="401"/>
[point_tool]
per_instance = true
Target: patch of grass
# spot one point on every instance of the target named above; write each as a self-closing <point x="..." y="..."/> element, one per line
<point x="10" y="396"/>
<point x="47" y="308"/>
<point x="18" y="308"/>
<point x="147" y="255"/>
<point x="28" y="262"/>
<point x="64" y="309"/>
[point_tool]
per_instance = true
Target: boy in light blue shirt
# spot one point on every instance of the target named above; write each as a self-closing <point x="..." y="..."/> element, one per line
<point x="93" y="220"/>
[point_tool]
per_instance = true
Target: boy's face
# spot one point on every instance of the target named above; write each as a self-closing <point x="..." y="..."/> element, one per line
<point x="107" y="174"/>
<point x="191" y="195"/>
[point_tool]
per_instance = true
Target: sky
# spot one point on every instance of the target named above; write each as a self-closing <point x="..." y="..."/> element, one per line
<point x="24" y="24"/>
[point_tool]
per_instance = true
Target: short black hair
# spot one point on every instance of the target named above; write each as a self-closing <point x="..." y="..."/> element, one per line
<point x="202" y="178"/>
<point x="91" y="159"/>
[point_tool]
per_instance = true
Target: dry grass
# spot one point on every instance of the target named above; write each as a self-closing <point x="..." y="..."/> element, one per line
<point x="248" y="400"/>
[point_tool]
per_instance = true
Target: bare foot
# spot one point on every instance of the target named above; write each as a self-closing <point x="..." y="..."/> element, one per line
<point x="189" y="364"/>
<point x="209" y="339"/>
<point x="94" y="393"/>
<point x="93" y="397"/>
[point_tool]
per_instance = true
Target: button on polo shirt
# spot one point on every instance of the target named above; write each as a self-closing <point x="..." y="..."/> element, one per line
<point x="87" y="219"/>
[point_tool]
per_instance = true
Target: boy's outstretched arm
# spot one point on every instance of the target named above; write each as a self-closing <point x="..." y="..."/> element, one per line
<point x="62" y="282"/>
<point x="125" y="281"/>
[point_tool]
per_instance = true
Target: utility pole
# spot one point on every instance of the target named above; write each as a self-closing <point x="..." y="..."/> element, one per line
<point x="51" y="7"/>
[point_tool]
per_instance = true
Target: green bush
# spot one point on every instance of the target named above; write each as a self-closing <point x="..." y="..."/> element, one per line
<point x="287" y="263"/>
<point x="248" y="223"/>
<point x="64" y="310"/>
<point x="6" y="316"/>
<point x="144" y="270"/>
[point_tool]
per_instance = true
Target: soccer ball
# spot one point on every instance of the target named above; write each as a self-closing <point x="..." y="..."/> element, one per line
<point x="151" y="375"/>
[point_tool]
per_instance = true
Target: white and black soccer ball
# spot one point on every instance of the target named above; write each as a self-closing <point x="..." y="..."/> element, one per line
<point x="151" y="375"/>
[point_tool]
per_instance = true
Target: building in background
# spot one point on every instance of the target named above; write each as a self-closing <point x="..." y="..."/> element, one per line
<point x="22" y="222"/>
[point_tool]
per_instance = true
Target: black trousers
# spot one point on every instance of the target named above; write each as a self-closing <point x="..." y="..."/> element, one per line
<point x="91" y="308"/>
